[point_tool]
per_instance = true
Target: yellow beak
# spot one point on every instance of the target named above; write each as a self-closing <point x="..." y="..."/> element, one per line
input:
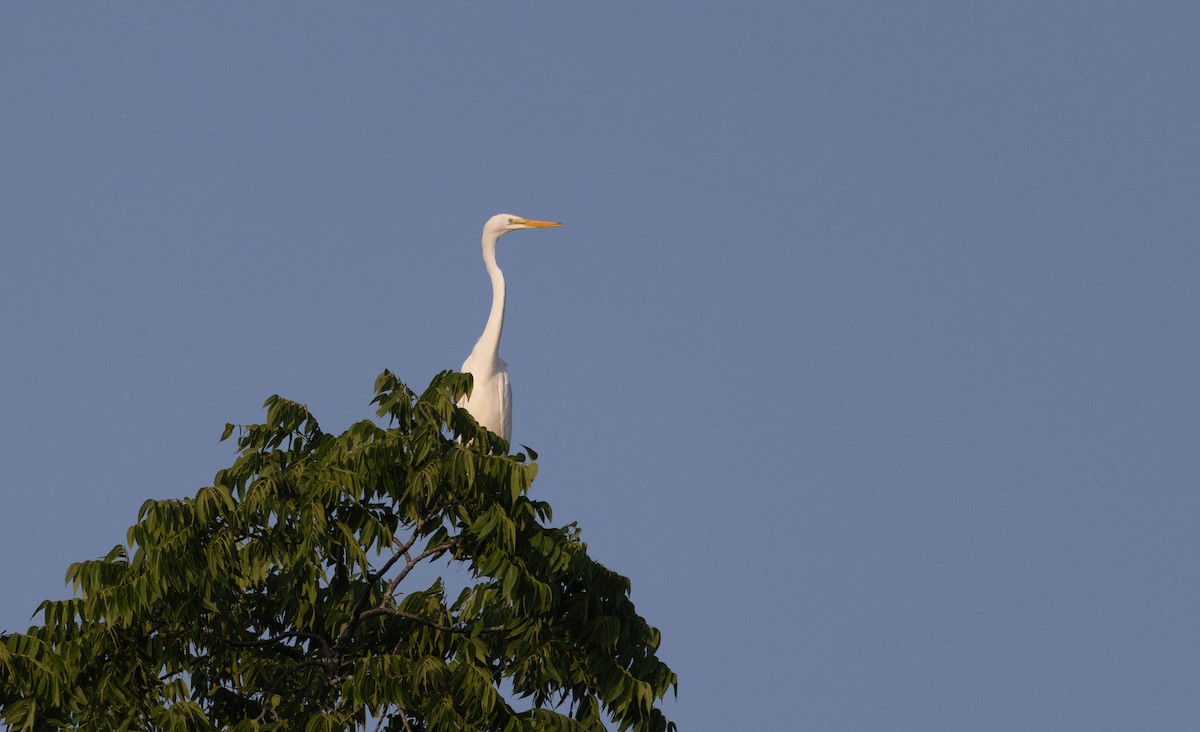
<point x="539" y="224"/>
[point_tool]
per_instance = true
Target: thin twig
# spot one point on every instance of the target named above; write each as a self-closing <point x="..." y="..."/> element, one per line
<point x="437" y="626"/>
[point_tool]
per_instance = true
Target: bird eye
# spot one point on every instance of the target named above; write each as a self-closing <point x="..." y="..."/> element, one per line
<point x="512" y="221"/>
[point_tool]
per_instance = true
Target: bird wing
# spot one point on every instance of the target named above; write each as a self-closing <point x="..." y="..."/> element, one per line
<point x="504" y="394"/>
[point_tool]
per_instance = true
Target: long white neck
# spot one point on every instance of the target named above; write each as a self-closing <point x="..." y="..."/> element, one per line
<point x="489" y="342"/>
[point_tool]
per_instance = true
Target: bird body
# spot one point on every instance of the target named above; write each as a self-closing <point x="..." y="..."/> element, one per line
<point x="490" y="401"/>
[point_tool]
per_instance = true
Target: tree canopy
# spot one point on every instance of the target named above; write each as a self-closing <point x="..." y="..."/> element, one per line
<point x="294" y="593"/>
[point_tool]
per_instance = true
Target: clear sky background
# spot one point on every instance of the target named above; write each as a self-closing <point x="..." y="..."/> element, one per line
<point x="870" y="349"/>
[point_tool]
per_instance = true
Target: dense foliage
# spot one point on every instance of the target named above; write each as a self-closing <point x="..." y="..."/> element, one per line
<point x="286" y="596"/>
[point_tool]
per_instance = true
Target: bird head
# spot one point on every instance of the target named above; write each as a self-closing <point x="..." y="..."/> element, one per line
<point x="504" y="223"/>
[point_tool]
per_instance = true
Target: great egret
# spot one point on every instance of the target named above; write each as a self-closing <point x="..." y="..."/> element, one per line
<point x="490" y="402"/>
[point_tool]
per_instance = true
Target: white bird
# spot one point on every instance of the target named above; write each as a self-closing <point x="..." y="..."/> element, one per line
<point x="490" y="402"/>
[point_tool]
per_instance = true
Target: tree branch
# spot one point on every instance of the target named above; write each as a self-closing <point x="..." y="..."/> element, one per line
<point x="413" y="562"/>
<point x="270" y="690"/>
<point x="288" y="634"/>
<point x="356" y="615"/>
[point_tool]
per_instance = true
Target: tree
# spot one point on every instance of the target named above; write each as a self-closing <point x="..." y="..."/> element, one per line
<point x="282" y="596"/>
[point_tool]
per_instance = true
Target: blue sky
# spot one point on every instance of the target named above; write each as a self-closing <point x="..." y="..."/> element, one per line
<point x="868" y="351"/>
